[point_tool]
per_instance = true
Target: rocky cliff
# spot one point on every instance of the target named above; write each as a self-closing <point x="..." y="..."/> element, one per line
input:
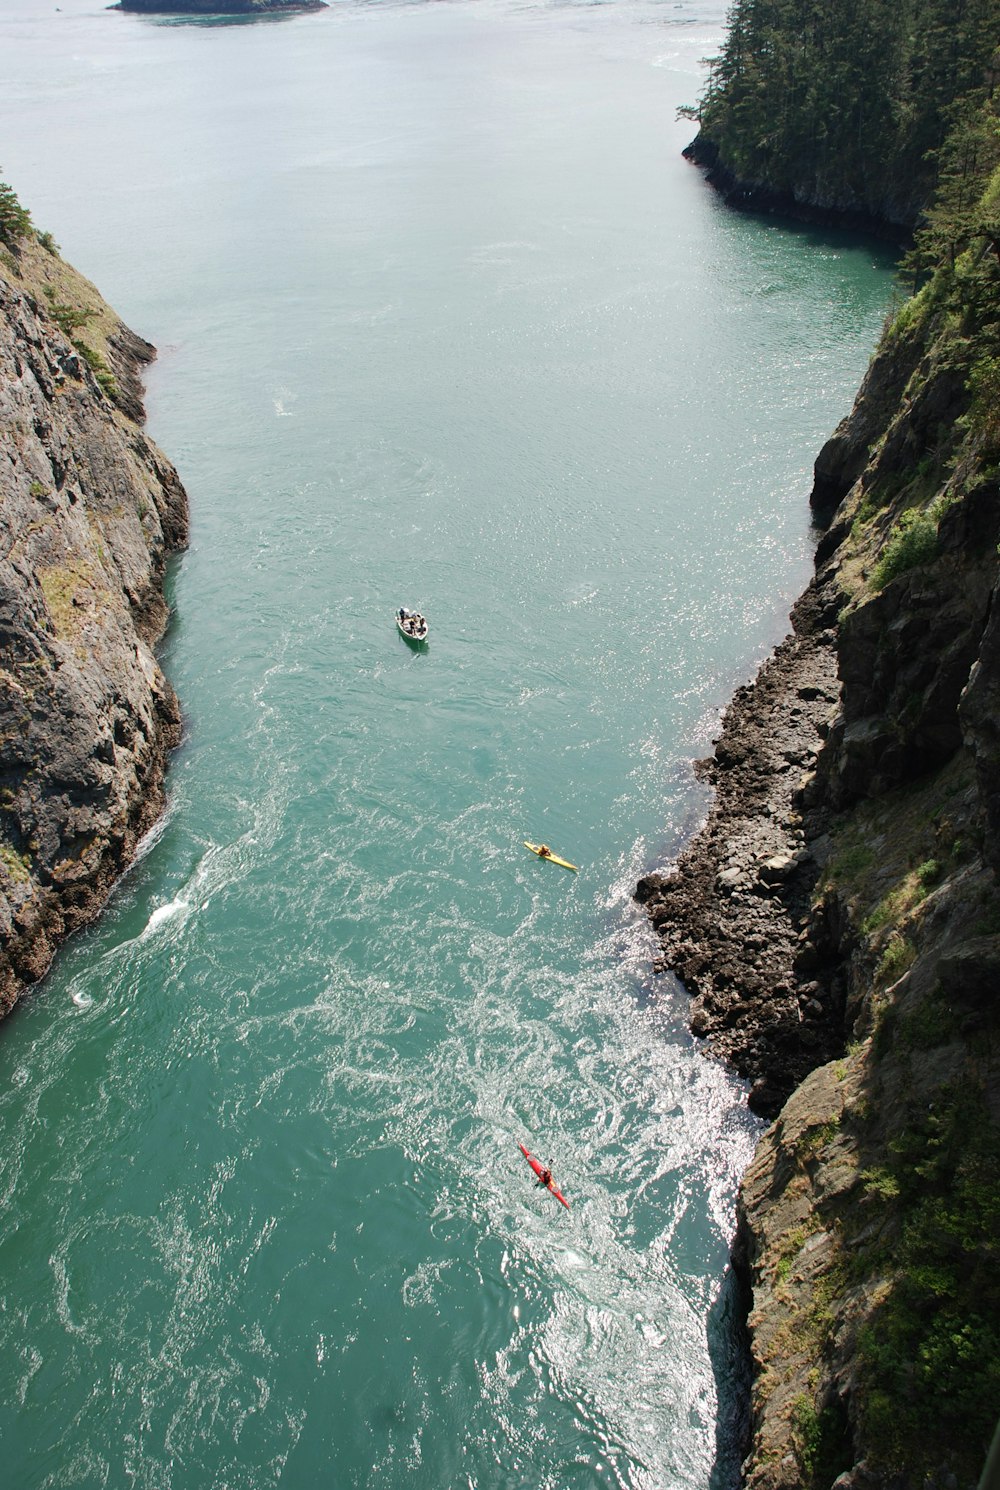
<point x="90" y="509"/>
<point x="837" y="924"/>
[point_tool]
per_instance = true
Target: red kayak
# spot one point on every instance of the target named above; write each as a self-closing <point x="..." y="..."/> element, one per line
<point x="538" y="1167"/>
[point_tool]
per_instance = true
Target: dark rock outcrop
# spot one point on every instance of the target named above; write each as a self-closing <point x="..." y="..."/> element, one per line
<point x="893" y="221"/>
<point x="90" y="511"/>
<point x="731" y="913"/>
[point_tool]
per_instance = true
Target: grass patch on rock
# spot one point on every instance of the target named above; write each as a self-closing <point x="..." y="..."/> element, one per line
<point x="17" y="866"/>
<point x="72" y="301"/>
<point x="67" y="589"/>
<point x="898" y="956"/>
<point x="913" y="542"/>
<point x="854" y="857"/>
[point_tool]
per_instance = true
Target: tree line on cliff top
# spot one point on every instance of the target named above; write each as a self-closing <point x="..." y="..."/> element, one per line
<point x="890" y="108"/>
<point x="846" y="104"/>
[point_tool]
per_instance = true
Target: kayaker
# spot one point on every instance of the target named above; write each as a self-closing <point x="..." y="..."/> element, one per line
<point x="545" y="1178"/>
<point x="544" y="852"/>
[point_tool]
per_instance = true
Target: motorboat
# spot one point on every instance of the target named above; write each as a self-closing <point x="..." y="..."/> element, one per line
<point x="412" y="625"/>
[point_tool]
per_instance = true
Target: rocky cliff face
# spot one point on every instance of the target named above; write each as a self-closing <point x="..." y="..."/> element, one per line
<point x="837" y="923"/>
<point x="89" y="511"/>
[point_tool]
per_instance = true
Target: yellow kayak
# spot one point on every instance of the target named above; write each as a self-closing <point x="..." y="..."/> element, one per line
<point x="536" y="848"/>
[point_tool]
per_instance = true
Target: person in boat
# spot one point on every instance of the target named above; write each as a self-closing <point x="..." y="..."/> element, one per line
<point x="544" y="852"/>
<point x="545" y="1178"/>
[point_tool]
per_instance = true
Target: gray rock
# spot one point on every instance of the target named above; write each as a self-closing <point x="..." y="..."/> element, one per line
<point x="89" y="511"/>
<point x="778" y="867"/>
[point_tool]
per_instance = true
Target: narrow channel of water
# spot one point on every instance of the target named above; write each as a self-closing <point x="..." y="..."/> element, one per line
<point x="444" y="320"/>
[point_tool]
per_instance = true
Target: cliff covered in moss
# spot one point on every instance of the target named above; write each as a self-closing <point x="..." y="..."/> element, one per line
<point x="837" y="921"/>
<point x="90" y="509"/>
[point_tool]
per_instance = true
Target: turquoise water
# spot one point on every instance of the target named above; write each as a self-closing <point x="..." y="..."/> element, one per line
<point x="444" y="320"/>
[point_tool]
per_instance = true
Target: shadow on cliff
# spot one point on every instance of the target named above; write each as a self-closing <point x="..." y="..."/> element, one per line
<point x="729" y="1352"/>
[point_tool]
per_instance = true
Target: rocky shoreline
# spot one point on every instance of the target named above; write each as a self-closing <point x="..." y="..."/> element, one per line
<point x="760" y="198"/>
<point x="91" y="510"/>
<point x="731" y="915"/>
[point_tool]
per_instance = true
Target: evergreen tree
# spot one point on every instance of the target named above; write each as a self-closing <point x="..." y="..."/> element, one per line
<point x="15" y="220"/>
<point x="845" y="104"/>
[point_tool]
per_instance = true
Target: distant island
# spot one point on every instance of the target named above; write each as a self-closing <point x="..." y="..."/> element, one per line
<point x="215" y="7"/>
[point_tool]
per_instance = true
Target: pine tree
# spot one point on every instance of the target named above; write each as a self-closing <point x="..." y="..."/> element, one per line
<point x="15" y="220"/>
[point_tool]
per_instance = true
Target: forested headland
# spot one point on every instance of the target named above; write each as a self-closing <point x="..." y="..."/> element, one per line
<point x="850" y="108"/>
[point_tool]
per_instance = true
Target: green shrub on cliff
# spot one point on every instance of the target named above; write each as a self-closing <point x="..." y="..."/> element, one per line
<point x="822" y="1442"/>
<point x="17" y="865"/>
<point x="913" y="542"/>
<point x="102" y="372"/>
<point x="72" y="318"/>
<point x="15" y="220"/>
<point x="68" y="318"/>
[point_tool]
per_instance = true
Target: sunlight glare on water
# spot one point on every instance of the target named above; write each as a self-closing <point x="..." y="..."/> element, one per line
<point x="444" y="320"/>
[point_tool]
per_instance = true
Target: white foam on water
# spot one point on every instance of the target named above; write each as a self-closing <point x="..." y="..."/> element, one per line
<point x="152" y="836"/>
<point x="282" y="399"/>
<point x="178" y="907"/>
<point x="34" y="1363"/>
